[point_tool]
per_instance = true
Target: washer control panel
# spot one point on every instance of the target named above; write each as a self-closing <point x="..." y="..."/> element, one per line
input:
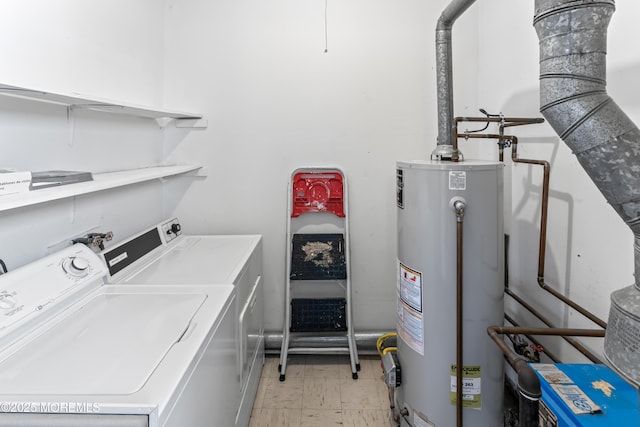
<point x="28" y="291"/>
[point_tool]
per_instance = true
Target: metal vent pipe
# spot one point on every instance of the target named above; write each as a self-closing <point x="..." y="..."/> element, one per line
<point x="573" y="99"/>
<point x="444" y="75"/>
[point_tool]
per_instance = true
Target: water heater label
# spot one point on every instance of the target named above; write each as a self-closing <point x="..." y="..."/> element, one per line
<point x="457" y="180"/>
<point x="400" y="188"/>
<point x="410" y="321"/>
<point x="411" y="287"/>
<point x="471" y="387"/>
<point x="410" y="327"/>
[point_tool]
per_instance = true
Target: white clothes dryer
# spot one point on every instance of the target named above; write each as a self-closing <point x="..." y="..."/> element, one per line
<point x="163" y="255"/>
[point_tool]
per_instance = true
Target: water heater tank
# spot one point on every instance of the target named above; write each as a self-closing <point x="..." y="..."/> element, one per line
<point x="427" y="291"/>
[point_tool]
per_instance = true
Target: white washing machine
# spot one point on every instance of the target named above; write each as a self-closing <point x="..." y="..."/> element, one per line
<point x="163" y="255"/>
<point x="78" y="352"/>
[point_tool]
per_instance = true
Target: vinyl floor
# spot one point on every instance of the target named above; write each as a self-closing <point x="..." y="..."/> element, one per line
<point x="319" y="391"/>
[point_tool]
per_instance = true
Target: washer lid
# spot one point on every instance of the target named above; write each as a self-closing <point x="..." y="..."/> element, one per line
<point x="110" y="345"/>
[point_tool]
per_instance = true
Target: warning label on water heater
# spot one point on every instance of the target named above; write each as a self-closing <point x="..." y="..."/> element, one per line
<point x="410" y="328"/>
<point x="457" y="180"/>
<point x="411" y="287"/>
<point x="410" y="324"/>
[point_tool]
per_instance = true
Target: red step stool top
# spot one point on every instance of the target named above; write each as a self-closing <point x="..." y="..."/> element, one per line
<point x="317" y="192"/>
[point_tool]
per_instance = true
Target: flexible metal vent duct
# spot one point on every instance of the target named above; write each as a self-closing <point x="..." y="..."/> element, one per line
<point x="574" y="101"/>
<point x="606" y="142"/>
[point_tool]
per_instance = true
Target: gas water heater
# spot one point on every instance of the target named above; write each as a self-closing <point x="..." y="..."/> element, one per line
<point x="427" y="283"/>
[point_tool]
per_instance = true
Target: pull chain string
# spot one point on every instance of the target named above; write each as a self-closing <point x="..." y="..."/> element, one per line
<point x="326" y="37"/>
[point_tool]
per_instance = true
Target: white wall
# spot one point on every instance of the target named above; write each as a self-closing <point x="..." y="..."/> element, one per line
<point x="112" y="50"/>
<point x="590" y="250"/>
<point x="275" y="101"/>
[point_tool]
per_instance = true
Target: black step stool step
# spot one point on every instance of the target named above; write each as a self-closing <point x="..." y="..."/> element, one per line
<point x="318" y="257"/>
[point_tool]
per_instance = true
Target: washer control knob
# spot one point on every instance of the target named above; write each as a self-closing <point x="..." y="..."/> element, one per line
<point x="76" y="266"/>
<point x="175" y="228"/>
<point x="6" y="301"/>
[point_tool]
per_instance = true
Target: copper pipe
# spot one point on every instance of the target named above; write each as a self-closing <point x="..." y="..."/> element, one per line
<point x="513" y="357"/>
<point x="508" y="121"/>
<point x="520" y="122"/>
<point x="528" y="385"/>
<point x="542" y="243"/>
<point x="545" y="199"/>
<point x="582" y="349"/>
<point x="508" y="352"/>
<point x="541" y="257"/>
<point x="459" y="207"/>
<point x="571" y="303"/>
<point x="501" y="139"/>
<point x="504" y="122"/>
<point x="543" y="235"/>
<point x="479" y="135"/>
<point x="533" y="340"/>
<point x="561" y="332"/>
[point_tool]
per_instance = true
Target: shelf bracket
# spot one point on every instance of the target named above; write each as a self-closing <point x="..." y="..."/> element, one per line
<point x="183" y="123"/>
<point x="191" y="123"/>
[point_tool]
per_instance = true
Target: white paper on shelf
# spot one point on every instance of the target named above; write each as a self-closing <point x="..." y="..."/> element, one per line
<point x="13" y="182"/>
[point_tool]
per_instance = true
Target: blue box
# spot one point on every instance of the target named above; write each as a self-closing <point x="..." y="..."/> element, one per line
<point x="594" y="396"/>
